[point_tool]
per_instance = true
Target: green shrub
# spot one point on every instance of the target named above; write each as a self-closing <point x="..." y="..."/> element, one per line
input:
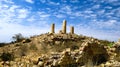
<point x="110" y="44"/>
<point x="7" y="57"/>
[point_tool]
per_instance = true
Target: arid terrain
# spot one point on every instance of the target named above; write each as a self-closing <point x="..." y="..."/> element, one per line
<point x="60" y="50"/>
<point x="59" y="33"/>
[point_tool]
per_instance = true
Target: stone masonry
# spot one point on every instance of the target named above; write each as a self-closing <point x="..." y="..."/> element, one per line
<point x="72" y="30"/>
<point x="53" y="28"/>
<point x="64" y="27"/>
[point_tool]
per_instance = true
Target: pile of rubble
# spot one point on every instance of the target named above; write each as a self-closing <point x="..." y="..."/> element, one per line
<point x="88" y="55"/>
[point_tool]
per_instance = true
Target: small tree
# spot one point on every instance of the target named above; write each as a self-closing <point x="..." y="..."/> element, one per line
<point x="18" y="37"/>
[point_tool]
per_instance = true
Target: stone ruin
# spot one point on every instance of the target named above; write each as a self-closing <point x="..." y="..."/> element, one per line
<point x="64" y="26"/>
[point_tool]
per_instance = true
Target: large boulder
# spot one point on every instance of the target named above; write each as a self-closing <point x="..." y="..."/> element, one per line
<point x="93" y="52"/>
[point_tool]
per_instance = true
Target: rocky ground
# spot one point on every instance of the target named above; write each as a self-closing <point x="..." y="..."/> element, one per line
<point x="62" y="50"/>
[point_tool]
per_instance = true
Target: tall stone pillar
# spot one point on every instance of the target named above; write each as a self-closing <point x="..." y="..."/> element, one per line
<point x="72" y="30"/>
<point x="64" y="26"/>
<point x="53" y="28"/>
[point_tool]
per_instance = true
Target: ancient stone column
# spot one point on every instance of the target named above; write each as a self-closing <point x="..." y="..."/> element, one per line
<point x="72" y="30"/>
<point x="64" y="26"/>
<point x="53" y="28"/>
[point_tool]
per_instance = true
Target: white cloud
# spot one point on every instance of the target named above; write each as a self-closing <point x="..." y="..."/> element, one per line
<point x="113" y="1"/>
<point x="108" y="7"/>
<point x="7" y="1"/>
<point x="53" y="3"/>
<point x="105" y="24"/>
<point x="74" y="1"/>
<point x="30" y="1"/>
<point x="43" y="14"/>
<point x="78" y="14"/>
<point x="13" y="8"/>
<point x="64" y="1"/>
<point x="7" y="13"/>
<point x="88" y="11"/>
<point x="22" y="13"/>
<point x="60" y="16"/>
<point x="43" y="1"/>
<point x="12" y="17"/>
<point x="101" y="11"/>
<point x="31" y="19"/>
<point x="111" y="22"/>
<point x="66" y="9"/>
<point x="9" y="29"/>
<point x="96" y="6"/>
<point x="101" y="34"/>
<point x="13" y="13"/>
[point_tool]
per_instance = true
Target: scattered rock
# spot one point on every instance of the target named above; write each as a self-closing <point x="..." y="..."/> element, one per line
<point x="90" y="51"/>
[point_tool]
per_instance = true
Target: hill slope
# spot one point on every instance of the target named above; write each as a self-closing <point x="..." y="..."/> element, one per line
<point x="61" y="50"/>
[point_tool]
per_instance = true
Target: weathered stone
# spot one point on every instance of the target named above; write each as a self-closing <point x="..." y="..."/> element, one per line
<point x="64" y="26"/>
<point x="40" y="63"/>
<point x="102" y="65"/>
<point x="35" y="66"/>
<point x="53" y="28"/>
<point x="95" y="52"/>
<point x="60" y="32"/>
<point x="107" y="64"/>
<point x="55" y="63"/>
<point x="72" y="30"/>
<point x="57" y="42"/>
<point x="66" y="59"/>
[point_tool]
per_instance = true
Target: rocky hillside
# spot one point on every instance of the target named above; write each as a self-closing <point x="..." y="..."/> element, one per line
<point x="60" y="50"/>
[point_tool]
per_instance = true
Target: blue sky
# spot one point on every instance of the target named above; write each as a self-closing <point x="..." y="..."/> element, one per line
<point x="96" y="18"/>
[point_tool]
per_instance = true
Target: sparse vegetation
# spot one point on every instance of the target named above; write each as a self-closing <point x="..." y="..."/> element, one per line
<point x="27" y="41"/>
<point x="7" y="57"/>
<point x="86" y="51"/>
<point x="2" y="44"/>
<point x="74" y="47"/>
<point x="110" y="44"/>
<point x="18" y="37"/>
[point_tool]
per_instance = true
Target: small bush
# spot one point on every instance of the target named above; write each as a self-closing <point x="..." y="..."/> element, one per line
<point x="18" y="37"/>
<point x="110" y="44"/>
<point x="7" y="57"/>
<point x="2" y="44"/>
<point x="74" y="47"/>
<point x="27" y="41"/>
